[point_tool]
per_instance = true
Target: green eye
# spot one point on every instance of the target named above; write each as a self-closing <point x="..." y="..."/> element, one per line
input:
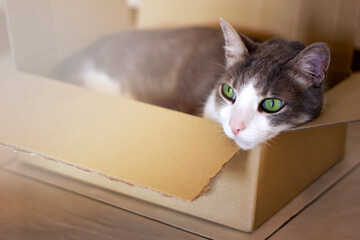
<point x="272" y="105"/>
<point x="228" y="92"/>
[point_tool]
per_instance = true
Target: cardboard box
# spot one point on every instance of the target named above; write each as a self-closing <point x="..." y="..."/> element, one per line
<point x="42" y="33"/>
<point x="330" y="21"/>
<point x="160" y="155"/>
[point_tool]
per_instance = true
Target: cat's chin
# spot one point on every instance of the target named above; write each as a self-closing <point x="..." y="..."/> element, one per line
<point x="246" y="145"/>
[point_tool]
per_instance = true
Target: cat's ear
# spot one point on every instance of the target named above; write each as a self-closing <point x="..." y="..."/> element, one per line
<point x="313" y="63"/>
<point x="235" y="49"/>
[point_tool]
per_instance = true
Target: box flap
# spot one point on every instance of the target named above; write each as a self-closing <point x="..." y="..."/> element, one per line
<point x="342" y="104"/>
<point x="127" y="141"/>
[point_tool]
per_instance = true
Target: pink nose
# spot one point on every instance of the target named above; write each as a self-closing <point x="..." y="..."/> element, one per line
<point x="236" y="126"/>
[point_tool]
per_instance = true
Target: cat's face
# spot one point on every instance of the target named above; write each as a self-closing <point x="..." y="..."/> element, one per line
<point x="267" y="87"/>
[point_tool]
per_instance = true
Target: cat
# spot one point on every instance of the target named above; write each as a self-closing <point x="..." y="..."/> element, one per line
<point x="255" y="90"/>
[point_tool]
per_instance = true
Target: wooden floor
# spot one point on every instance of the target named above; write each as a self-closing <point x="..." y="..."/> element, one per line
<point x="33" y="209"/>
<point x="30" y="209"/>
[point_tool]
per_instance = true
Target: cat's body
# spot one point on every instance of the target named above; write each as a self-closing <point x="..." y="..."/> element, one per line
<point x="172" y="68"/>
<point x="255" y="90"/>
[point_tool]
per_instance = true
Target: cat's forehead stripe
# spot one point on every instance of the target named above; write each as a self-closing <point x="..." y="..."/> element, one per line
<point x="242" y="81"/>
<point x="239" y="78"/>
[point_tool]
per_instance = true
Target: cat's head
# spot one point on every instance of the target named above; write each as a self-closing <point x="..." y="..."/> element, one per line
<point x="267" y="87"/>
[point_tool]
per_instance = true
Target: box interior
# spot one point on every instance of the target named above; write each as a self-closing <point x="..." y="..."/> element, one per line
<point x="43" y="33"/>
<point x="156" y="151"/>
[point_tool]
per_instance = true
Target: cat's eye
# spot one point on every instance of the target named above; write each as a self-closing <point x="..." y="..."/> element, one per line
<point x="272" y="105"/>
<point x="228" y="92"/>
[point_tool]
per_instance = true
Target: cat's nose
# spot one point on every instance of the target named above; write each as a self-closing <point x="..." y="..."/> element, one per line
<point x="236" y="126"/>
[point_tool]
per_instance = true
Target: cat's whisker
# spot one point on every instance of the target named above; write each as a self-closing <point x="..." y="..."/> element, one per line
<point x="234" y="71"/>
<point x="270" y="143"/>
<point x="221" y="131"/>
<point x="225" y="68"/>
<point x="217" y="74"/>
<point x="276" y="70"/>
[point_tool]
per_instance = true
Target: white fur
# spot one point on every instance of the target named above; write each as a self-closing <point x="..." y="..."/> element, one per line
<point x="245" y="109"/>
<point x="210" y="111"/>
<point x="100" y="81"/>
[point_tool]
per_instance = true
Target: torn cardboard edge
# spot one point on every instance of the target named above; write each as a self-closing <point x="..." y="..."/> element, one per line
<point x="184" y="221"/>
<point x="90" y="129"/>
<point x="334" y="98"/>
<point x="232" y="206"/>
<point x="15" y="148"/>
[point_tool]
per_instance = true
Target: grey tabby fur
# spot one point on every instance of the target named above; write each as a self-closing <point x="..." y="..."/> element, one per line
<point x="174" y="68"/>
<point x="185" y="69"/>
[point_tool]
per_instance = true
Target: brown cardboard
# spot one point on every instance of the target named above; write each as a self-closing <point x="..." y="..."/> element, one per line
<point x="302" y="153"/>
<point x="308" y="21"/>
<point x="244" y="194"/>
<point x="117" y="139"/>
<point x="357" y="32"/>
<point x="178" y="219"/>
<point x="44" y="32"/>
